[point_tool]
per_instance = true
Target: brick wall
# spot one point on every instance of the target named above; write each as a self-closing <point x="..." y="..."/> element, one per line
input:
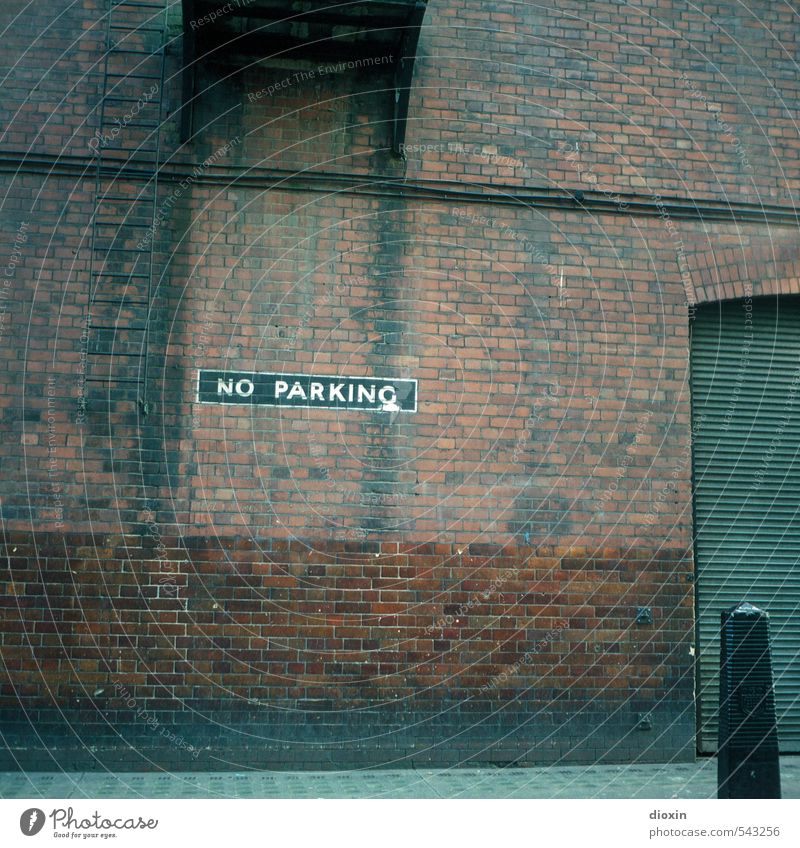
<point x="217" y="587"/>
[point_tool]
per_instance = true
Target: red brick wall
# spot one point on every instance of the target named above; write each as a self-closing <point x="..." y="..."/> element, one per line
<point x="463" y="575"/>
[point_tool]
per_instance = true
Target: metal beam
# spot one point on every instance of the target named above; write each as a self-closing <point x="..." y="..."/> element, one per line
<point x="188" y="71"/>
<point x="403" y="74"/>
<point x="390" y="16"/>
<point x="223" y="46"/>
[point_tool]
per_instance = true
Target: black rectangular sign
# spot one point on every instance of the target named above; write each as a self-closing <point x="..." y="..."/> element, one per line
<point x="371" y="394"/>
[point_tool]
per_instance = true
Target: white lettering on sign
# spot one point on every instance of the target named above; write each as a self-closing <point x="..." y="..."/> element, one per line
<point x="372" y="393"/>
<point x="391" y="400"/>
<point x="365" y="393"/>
<point x="297" y="391"/>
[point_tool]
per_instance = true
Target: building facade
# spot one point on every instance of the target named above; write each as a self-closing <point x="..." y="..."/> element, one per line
<point x="548" y="262"/>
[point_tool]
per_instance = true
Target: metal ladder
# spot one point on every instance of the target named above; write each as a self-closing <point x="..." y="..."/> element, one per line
<point x="127" y="152"/>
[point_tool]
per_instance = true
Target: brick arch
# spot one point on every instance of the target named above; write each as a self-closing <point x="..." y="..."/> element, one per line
<point x="759" y="268"/>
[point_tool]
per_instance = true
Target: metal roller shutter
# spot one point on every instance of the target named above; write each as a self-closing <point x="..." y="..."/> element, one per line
<point x="746" y="424"/>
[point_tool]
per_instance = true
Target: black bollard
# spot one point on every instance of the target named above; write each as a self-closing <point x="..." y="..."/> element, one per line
<point x="747" y="761"/>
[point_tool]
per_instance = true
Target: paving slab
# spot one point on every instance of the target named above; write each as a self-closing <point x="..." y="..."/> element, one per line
<point x="672" y="780"/>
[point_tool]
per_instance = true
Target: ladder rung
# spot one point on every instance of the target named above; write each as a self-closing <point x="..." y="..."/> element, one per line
<point x="116" y="197"/>
<point x="118" y="327"/>
<point x="120" y="224"/>
<point x="119" y="302"/>
<point x="119" y="250"/>
<point x="141" y="161"/>
<point x="125" y="219"/>
<point x="115" y="354"/>
<point x="145" y="125"/>
<point x="119" y="275"/>
<point x="102" y="234"/>
<point x="135" y="76"/>
<point x="132" y="211"/>
<point x="138" y="125"/>
<point x="118" y="50"/>
<point x="117" y="99"/>
<point x="139" y="149"/>
<point x="136" y="4"/>
<point x="128" y="219"/>
<point x="121" y="28"/>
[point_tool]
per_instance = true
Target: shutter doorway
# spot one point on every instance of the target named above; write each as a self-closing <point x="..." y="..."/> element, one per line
<point x="745" y="380"/>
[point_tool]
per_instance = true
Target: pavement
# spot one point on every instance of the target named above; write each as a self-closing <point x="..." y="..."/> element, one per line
<point x="673" y="780"/>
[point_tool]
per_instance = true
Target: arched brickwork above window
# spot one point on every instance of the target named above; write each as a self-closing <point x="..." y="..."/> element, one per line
<point x="758" y="268"/>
